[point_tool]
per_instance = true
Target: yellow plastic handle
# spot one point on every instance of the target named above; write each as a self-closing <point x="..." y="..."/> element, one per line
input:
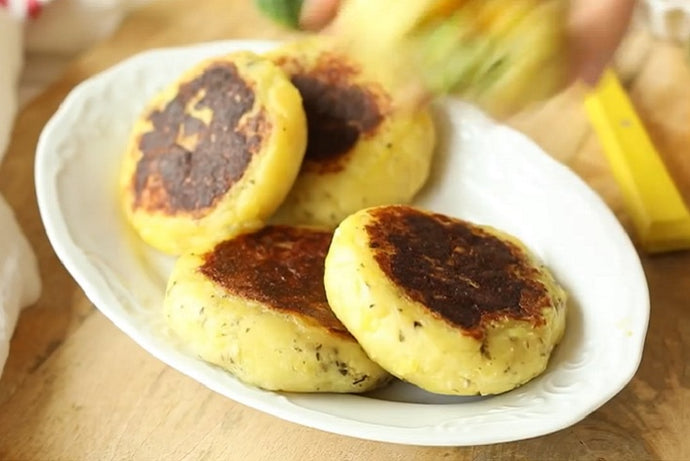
<point x="660" y="217"/>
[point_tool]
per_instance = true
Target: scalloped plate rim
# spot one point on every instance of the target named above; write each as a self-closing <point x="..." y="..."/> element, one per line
<point x="98" y="291"/>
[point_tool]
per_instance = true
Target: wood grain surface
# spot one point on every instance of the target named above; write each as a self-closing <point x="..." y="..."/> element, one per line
<point x="76" y="388"/>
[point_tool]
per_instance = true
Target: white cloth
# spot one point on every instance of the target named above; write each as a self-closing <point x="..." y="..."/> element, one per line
<point x="20" y="284"/>
<point x="19" y="279"/>
<point x="48" y="33"/>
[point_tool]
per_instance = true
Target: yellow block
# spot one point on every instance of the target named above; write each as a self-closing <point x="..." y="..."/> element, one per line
<point x="661" y="219"/>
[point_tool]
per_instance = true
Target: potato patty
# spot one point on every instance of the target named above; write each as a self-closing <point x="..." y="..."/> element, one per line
<point x="449" y="306"/>
<point x="255" y="305"/>
<point x="215" y="153"/>
<point x="362" y="151"/>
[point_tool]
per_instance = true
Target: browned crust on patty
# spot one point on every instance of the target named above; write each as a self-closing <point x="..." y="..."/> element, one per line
<point x="459" y="272"/>
<point x="340" y="111"/>
<point x="281" y="267"/>
<point x="191" y="176"/>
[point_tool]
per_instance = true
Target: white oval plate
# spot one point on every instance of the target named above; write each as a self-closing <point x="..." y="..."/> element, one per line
<point x="484" y="172"/>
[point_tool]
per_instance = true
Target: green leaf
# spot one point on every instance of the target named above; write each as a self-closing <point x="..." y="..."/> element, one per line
<point x="285" y="12"/>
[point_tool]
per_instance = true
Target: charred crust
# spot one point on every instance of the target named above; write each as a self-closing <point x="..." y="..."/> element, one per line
<point x="340" y="111"/>
<point x="187" y="165"/>
<point x="460" y="272"/>
<point x="281" y="267"/>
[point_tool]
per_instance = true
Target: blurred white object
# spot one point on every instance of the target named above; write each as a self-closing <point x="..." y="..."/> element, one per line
<point x="668" y="19"/>
<point x="20" y="284"/>
<point x="37" y="37"/>
<point x="62" y="29"/>
<point x="19" y="280"/>
<point x="69" y="26"/>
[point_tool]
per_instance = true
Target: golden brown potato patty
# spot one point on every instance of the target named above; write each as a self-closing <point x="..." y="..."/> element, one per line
<point x="256" y="305"/>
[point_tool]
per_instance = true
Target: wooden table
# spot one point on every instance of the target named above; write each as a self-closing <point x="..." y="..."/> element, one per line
<point x="75" y="387"/>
